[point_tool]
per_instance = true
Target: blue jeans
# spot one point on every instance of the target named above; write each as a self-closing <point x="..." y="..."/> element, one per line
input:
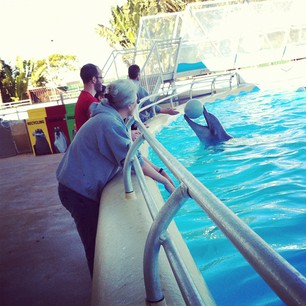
<point x="85" y="213"/>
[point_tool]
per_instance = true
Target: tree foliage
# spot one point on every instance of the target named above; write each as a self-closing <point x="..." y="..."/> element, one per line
<point x="58" y="66"/>
<point x="5" y="86"/>
<point x="125" y="19"/>
<point x="39" y="73"/>
<point x="16" y="79"/>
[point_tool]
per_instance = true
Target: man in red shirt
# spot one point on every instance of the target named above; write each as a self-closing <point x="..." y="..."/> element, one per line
<point x="92" y="80"/>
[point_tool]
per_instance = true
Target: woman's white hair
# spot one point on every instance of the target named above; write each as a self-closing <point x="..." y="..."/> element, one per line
<point x="122" y="93"/>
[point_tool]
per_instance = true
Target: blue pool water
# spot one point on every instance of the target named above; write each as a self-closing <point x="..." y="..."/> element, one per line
<point x="260" y="175"/>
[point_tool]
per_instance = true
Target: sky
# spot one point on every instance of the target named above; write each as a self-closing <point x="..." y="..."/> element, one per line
<point x="34" y="29"/>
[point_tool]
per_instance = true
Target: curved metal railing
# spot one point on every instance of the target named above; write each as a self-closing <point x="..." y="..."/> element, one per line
<point x="284" y="279"/>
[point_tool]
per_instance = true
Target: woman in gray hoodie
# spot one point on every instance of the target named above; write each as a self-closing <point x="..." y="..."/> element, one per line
<point x="95" y="156"/>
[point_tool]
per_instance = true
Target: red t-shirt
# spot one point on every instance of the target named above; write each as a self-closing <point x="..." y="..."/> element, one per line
<point x="81" y="113"/>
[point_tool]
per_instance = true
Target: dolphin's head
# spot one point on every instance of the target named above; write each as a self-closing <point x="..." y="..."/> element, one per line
<point x="211" y="121"/>
<point x="215" y="127"/>
<point x="210" y="134"/>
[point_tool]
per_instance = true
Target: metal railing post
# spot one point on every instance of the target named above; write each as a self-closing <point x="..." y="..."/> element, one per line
<point x="150" y="262"/>
<point x="127" y="168"/>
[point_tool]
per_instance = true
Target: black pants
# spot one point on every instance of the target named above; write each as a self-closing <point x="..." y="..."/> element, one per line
<point x="85" y="213"/>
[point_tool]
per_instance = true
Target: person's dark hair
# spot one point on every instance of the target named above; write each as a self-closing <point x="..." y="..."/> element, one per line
<point x="100" y="92"/>
<point x="87" y="72"/>
<point x="134" y="70"/>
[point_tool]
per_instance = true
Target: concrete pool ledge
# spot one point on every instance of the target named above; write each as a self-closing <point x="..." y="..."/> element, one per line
<point x="122" y="231"/>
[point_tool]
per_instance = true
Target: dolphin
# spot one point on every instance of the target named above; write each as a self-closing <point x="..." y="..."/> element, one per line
<point x="213" y="132"/>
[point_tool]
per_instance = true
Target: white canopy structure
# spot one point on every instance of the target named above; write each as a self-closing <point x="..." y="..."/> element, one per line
<point x="220" y="35"/>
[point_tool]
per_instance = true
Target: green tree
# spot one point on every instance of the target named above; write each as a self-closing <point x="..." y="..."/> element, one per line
<point x="52" y="70"/>
<point x="5" y="87"/>
<point x="22" y="74"/>
<point x="125" y="19"/>
<point x="14" y="81"/>
<point x="39" y="74"/>
<point x="58" y="65"/>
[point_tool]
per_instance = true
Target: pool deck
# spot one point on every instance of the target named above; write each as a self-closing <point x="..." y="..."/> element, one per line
<point x="41" y="255"/>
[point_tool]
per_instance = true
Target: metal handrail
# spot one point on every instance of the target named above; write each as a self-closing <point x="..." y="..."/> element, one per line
<point x="14" y="108"/>
<point x="288" y="283"/>
<point x="13" y="104"/>
<point x="215" y="80"/>
<point x="212" y="80"/>
<point x="113" y="57"/>
<point x="71" y="94"/>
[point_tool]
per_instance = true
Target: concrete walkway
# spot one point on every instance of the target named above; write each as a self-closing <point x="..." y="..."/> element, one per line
<point x="42" y="261"/>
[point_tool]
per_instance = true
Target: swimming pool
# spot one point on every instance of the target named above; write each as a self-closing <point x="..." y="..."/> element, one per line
<point x="260" y="175"/>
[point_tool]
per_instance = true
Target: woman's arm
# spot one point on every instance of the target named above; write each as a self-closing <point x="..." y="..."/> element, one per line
<point x="159" y="170"/>
<point x="149" y="169"/>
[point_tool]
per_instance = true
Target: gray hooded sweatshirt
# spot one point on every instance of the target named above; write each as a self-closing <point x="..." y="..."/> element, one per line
<point x="96" y="154"/>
